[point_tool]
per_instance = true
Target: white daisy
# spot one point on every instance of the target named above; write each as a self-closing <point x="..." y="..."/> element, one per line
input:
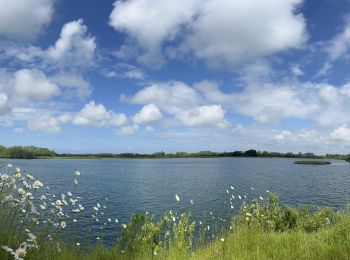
<point x="63" y="224"/>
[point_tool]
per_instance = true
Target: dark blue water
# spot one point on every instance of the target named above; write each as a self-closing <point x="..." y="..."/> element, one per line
<point x="126" y="186"/>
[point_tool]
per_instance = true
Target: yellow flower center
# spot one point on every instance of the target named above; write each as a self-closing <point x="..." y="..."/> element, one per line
<point x="21" y="254"/>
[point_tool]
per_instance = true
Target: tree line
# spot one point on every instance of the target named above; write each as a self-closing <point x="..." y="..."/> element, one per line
<point x="32" y="152"/>
<point x="25" y="152"/>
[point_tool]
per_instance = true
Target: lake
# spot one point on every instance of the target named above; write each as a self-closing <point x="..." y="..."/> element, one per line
<point x="126" y="186"/>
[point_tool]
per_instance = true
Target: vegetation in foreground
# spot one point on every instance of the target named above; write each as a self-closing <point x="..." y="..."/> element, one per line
<point x="31" y="228"/>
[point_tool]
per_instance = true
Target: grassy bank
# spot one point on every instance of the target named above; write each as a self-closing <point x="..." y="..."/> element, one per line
<point x="32" y="224"/>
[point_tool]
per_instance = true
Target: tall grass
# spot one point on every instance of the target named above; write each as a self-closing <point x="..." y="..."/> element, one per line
<point x="31" y="225"/>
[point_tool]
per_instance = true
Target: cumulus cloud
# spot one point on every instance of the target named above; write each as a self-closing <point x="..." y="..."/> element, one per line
<point x="74" y="47"/>
<point x="234" y="37"/>
<point x="171" y="97"/>
<point x="44" y="124"/>
<point x="140" y="19"/>
<point x="265" y="102"/>
<point x="127" y="130"/>
<point x="73" y="85"/>
<point x="341" y="133"/>
<point x="34" y="85"/>
<point x="97" y="115"/>
<point x="148" y="114"/>
<point x="202" y="116"/>
<point x="20" y="18"/>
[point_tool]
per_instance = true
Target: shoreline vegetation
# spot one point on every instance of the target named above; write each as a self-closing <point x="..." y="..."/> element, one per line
<point x="32" y="152"/>
<point x="313" y="162"/>
<point x="33" y="221"/>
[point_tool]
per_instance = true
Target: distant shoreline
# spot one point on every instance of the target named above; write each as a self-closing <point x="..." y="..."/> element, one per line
<point x="32" y="152"/>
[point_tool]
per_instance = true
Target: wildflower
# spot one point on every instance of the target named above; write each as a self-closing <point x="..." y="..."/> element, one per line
<point x="75" y="182"/>
<point x="222" y="239"/>
<point x="95" y="208"/>
<point x="191" y="202"/>
<point x="9" y="165"/>
<point x="30" y="177"/>
<point x="248" y="214"/>
<point x="98" y="205"/>
<point x="252" y="188"/>
<point x="232" y="188"/>
<point x="69" y="194"/>
<point x="21" y="191"/>
<point x="239" y="196"/>
<point x="200" y="222"/>
<point x="227" y="191"/>
<point x="98" y="238"/>
<point x="77" y="173"/>
<point x="267" y="191"/>
<point x="123" y="226"/>
<point x="59" y="203"/>
<point x="78" y="244"/>
<point x="20" y="253"/>
<point x="109" y="220"/>
<point x="177" y="198"/>
<point x="75" y="221"/>
<point x="37" y="184"/>
<point x="261" y="198"/>
<point x="208" y="227"/>
<point x="63" y="224"/>
<point x="18" y="170"/>
<point x="116" y="220"/>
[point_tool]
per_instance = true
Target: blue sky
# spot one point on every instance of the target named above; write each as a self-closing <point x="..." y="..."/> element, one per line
<point x="148" y="75"/>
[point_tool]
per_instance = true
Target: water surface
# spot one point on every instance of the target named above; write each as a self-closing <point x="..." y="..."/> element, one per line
<point x="126" y="186"/>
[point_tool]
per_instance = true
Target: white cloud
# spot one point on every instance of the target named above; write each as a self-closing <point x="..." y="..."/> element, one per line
<point x="239" y="129"/>
<point x="341" y="133"/>
<point x="202" y="116"/>
<point x="4" y="107"/>
<point x="24" y="18"/>
<point x="340" y="44"/>
<point x="74" y="47"/>
<point x="33" y="85"/>
<point x="282" y="136"/>
<point x="141" y="20"/>
<point x="296" y="70"/>
<point x="148" y="114"/>
<point x="127" y="130"/>
<point x="44" y="124"/>
<point x="74" y="85"/>
<point x="171" y="97"/>
<point x="94" y="114"/>
<point x="242" y="31"/>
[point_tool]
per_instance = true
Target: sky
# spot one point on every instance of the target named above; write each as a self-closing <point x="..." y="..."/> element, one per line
<point x="88" y="76"/>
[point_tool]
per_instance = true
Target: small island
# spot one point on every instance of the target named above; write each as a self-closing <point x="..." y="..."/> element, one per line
<point x="313" y="162"/>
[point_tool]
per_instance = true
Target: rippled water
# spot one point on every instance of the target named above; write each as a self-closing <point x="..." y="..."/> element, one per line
<point x="126" y="186"/>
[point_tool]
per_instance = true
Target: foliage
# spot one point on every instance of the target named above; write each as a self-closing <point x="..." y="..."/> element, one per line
<point x="268" y="216"/>
<point x="25" y="152"/>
